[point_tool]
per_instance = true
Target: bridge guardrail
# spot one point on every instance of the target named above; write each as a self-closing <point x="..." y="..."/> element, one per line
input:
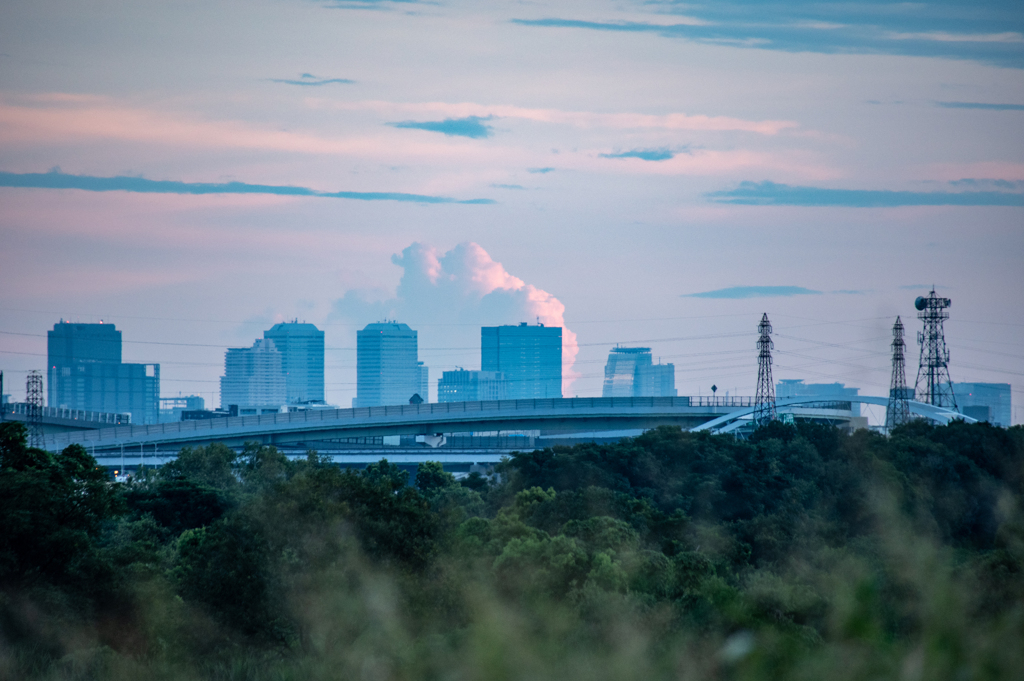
<point x="21" y="409"/>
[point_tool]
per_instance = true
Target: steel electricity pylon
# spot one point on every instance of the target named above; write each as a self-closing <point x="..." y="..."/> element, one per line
<point x="764" y="398"/>
<point x="34" y="404"/>
<point x="933" y="384"/>
<point x="897" y="412"/>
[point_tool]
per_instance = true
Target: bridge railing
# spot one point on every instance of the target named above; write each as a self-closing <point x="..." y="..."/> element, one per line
<point x="22" y="408"/>
<point x="715" y="401"/>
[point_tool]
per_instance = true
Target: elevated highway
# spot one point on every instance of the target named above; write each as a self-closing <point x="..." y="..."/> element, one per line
<point x="448" y="432"/>
<point x="327" y="427"/>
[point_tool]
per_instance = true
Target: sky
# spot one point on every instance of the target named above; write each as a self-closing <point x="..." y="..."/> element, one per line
<point x="650" y="173"/>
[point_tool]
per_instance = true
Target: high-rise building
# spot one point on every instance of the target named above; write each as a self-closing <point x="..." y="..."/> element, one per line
<point x="471" y="386"/>
<point x="424" y="391"/>
<point x="631" y="373"/>
<point x="253" y="379"/>
<point x="795" y="387"/>
<point x="985" y="402"/>
<point x="85" y="372"/>
<point x="388" y="370"/>
<point x="530" y="357"/>
<point x="302" y="357"/>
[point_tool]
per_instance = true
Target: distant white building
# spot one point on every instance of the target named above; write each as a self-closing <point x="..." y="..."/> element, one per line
<point x="254" y="379"/>
<point x="795" y="387"/>
<point x="630" y="372"/>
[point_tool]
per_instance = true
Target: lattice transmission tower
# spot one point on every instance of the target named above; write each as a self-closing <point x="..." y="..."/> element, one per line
<point x="933" y="384"/>
<point x="897" y="412"/>
<point x="34" y="404"/>
<point x="764" y="398"/>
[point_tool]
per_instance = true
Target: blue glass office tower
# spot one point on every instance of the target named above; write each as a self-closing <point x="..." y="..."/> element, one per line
<point x="530" y="357"/>
<point x="388" y="370"/>
<point x="302" y="360"/>
<point x="85" y="371"/>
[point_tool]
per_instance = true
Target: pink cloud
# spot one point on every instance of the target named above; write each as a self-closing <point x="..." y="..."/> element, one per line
<point x="454" y="291"/>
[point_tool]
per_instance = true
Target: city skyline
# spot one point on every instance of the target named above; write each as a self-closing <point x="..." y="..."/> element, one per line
<point x="639" y="173"/>
<point x="1003" y="412"/>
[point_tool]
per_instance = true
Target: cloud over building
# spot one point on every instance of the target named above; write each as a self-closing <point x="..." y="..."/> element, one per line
<point x="455" y="292"/>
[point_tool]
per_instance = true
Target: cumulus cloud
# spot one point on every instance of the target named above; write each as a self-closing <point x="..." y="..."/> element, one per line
<point x="451" y="294"/>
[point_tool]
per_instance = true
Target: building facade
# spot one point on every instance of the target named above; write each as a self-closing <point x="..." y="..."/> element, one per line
<point x="388" y="370"/>
<point x="424" y="379"/>
<point x="471" y="386"/>
<point x="254" y="379"/>
<point x="630" y="372"/>
<point x="530" y="357"/>
<point x="171" y="408"/>
<point x="302" y="358"/>
<point x="85" y="371"/>
<point x="795" y="387"/>
<point x="985" y="402"/>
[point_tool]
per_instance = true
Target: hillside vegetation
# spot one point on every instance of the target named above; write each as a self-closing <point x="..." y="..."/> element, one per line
<point x="800" y="553"/>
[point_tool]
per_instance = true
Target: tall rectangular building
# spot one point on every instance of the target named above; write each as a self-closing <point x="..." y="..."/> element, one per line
<point x="631" y="373"/>
<point x="388" y="370"/>
<point x="253" y="379"/>
<point x="302" y="359"/>
<point x="985" y="402"/>
<point x="530" y="357"/>
<point x="85" y="371"/>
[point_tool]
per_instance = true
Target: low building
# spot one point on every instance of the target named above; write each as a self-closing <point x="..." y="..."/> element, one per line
<point x="172" y="407"/>
<point x="985" y="402"/>
<point x="795" y="387"/>
<point x="471" y="386"/>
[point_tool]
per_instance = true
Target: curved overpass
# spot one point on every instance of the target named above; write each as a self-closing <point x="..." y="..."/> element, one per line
<point x="732" y="420"/>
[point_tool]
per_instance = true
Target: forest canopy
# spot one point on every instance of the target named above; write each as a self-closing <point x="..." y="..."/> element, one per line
<point x="800" y="552"/>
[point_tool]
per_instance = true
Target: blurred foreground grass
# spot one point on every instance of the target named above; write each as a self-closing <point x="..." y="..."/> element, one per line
<point x="802" y="553"/>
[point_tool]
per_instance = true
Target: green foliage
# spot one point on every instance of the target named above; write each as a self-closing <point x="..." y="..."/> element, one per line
<point x="801" y="552"/>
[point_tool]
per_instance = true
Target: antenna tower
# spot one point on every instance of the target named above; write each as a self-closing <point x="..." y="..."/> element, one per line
<point x="764" y="400"/>
<point x="897" y="412"/>
<point x="34" y="404"/>
<point x="933" y="383"/>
